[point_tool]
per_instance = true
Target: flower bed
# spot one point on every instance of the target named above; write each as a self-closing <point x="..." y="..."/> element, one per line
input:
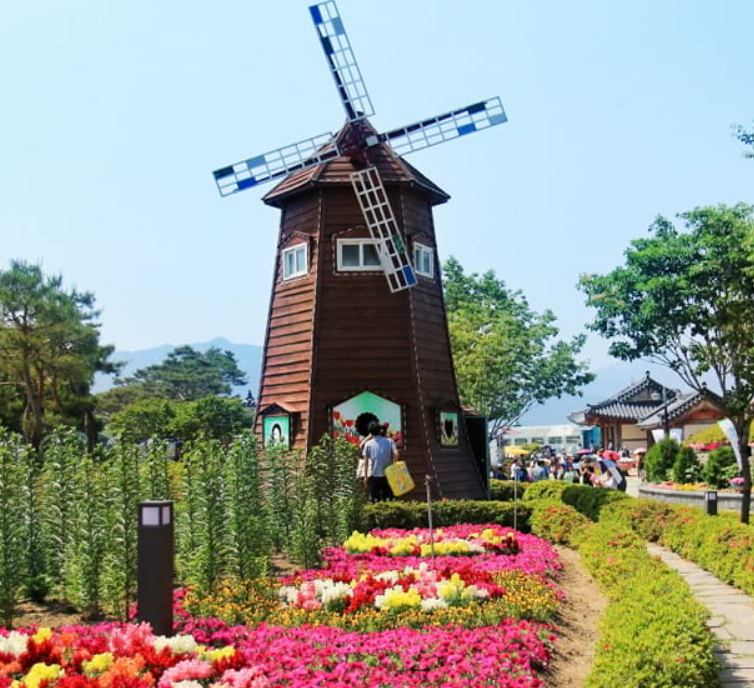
<point x="380" y="616"/>
<point x="129" y="656"/>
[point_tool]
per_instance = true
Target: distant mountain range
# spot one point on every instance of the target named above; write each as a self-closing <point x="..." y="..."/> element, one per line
<point x="609" y="380"/>
<point x="248" y="357"/>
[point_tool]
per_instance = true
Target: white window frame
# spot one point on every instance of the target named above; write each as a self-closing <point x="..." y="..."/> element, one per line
<point x="292" y="250"/>
<point x="360" y="267"/>
<point x="419" y="250"/>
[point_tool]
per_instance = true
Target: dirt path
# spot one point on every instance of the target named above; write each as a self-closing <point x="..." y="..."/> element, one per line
<point x="577" y="624"/>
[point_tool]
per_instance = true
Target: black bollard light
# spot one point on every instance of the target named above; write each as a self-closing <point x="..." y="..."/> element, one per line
<point x="154" y="597"/>
<point x="710" y="502"/>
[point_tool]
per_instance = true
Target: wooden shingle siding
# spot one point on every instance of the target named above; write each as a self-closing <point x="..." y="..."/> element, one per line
<point x="332" y="335"/>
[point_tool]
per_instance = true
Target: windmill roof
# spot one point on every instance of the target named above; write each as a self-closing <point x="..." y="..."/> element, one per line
<point x="337" y="171"/>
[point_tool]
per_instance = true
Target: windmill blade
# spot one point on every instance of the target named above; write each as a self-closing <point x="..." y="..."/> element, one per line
<point x="345" y="71"/>
<point x="381" y="223"/>
<point x="451" y="125"/>
<point x="276" y="163"/>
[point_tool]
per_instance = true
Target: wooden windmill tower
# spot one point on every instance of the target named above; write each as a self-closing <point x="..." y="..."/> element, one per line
<point x="342" y="347"/>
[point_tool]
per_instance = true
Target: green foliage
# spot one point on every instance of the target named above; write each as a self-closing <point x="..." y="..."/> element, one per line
<point x="330" y="499"/>
<point x="746" y="137"/>
<point x="506" y="356"/>
<point x="591" y="501"/>
<point x="645" y="516"/>
<point x="49" y="352"/>
<point x="686" y="299"/>
<point x="718" y="544"/>
<point x="122" y="474"/>
<point x="721" y="465"/>
<point x="210" y="417"/>
<point x="203" y="542"/>
<point x="249" y="520"/>
<point x="545" y="489"/>
<point x="659" y="460"/>
<point x="143" y="420"/>
<point x="686" y="467"/>
<point x="557" y="522"/>
<point x="397" y="514"/>
<point x="653" y="633"/>
<point x="14" y="467"/>
<point x="502" y="490"/>
<point x="89" y="536"/>
<point x="187" y="374"/>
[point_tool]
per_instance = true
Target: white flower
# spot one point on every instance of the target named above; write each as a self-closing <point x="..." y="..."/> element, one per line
<point x="178" y="644"/>
<point x="431" y="603"/>
<point x="14" y="644"/>
<point x="288" y="594"/>
<point x="334" y="591"/>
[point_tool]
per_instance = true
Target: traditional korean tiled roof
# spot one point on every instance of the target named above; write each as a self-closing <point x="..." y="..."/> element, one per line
<point x="677" y="408"/>
<point x="635" y="402"/>
<point x="392" y="169"/>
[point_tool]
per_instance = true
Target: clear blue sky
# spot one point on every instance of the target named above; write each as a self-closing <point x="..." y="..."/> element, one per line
<point x="115" y="114"/>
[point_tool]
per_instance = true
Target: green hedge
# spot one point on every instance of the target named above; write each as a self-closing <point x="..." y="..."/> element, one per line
<point x="557" y="522"/>
<point x="653" y="634"/>
<point x="395" y="514"/>
<point x="720" y="544"/>
<point x="502" y="490"/>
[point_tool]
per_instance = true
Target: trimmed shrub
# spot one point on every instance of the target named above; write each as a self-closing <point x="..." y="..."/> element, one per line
<point x="645" y="516"/>
<point x="686" y="468"/>
<point x="398" y="514"/>
<point x="720" y="467"/>
<point x="545" y="489"/>
<point x="502" y="490"/>
<point x="589" y="500"/>
<point x="654" y="633"/>
<point x="660" y="459"/>
<point x="721" y="545"/>
<point x="557" y="522"/>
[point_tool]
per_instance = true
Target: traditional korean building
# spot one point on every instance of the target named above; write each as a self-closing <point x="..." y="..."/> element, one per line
<point x="628" y="418"/>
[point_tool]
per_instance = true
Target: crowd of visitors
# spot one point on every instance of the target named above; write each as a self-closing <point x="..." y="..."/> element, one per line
<point x="599" y="469"/>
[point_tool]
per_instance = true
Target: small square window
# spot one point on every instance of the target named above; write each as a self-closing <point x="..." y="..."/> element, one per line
<point x="294" y="261"/>
<point x="423" y="260"/>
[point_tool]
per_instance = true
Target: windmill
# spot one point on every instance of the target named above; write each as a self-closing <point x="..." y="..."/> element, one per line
<point x="340" y="348"/>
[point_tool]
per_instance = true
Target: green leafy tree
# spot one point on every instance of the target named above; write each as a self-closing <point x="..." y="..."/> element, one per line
<point x="49" y="352"/>
<point x="506" y="357"/>
<point x="187" y="374"/>
<point x="686" y="299"/>
<point x="143" y="420"/>
<point x="210" y="418"/>
<point x="746" y="137"/>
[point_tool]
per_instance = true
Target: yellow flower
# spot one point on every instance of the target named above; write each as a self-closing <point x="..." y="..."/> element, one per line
<point x="42" y="634"/>
<point x="218" y="653"/>
<point x="98" y="664"/>
<point x="42" y="672"/>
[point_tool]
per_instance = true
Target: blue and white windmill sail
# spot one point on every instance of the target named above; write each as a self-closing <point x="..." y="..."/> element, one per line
<point x="366" y="181"/>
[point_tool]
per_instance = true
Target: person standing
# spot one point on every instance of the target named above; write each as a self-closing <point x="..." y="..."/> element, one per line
<point x="379" y="452"/>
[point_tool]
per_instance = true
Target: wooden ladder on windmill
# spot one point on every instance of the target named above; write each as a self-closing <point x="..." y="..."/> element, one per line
<point x="381" y="223"/>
